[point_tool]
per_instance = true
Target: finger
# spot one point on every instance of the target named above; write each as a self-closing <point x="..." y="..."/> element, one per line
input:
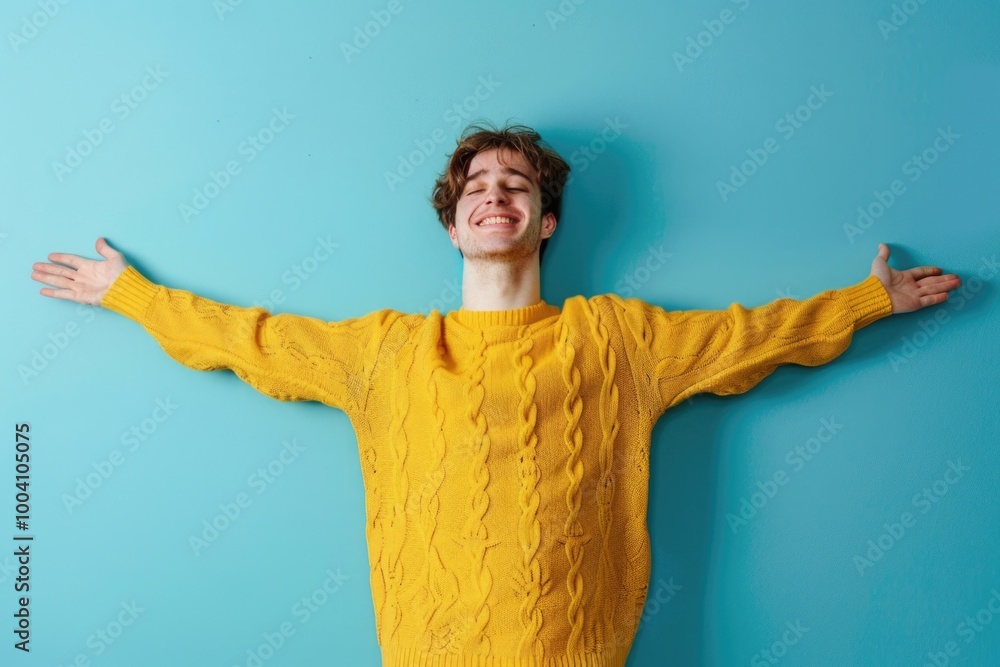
<point x="932" y="299"/>
<point x="54" y="269"/>
<point x="883" y="251"/>
<point x="949" y="281"/>
<point x="52" y="279"/>
<point x="104" y="249"/>
<point x="919" y="272"/>
<point x="57" y="293"/>
<point x="69" y="260"/>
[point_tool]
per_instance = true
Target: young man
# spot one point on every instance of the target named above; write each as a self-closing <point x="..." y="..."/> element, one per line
<point x="504" y="446"/>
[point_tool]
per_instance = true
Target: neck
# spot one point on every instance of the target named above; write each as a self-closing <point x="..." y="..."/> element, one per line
<point x="491" y="285"/>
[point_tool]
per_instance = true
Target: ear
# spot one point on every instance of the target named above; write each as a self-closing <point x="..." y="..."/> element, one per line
<point x="548" y="225"/>
<point x="453" y="234"/>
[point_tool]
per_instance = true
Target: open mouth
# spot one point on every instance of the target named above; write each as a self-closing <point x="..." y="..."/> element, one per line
<point x="497" y="221"/>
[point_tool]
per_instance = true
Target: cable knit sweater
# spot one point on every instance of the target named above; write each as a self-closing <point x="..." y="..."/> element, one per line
<point x="505" y="454"/>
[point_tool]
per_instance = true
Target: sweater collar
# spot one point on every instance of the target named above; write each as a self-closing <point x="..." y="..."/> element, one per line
<point x="478" y="319"/>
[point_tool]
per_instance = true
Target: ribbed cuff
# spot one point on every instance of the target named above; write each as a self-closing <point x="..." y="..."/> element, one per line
<point x="869" y="301"/>
<point x="130" y="294"/>
<point x="398" y="655"/>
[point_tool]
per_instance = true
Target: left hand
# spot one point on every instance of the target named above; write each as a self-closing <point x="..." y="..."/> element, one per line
<point x="914" y="288"/>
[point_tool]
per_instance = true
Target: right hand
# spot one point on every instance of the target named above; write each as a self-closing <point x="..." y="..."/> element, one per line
<point x="87" y="280"/>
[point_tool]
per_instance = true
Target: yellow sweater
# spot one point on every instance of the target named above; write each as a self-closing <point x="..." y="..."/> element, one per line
<point x="505" y="454"/>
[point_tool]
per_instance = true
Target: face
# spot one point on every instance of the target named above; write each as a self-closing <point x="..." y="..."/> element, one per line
<point x="500" y="185"/>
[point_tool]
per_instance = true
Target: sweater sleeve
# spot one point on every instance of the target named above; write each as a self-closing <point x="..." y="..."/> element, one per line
<point x="729" y="351"/>
<point x="284" y="356"/>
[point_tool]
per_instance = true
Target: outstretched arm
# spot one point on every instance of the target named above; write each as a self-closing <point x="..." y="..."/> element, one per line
<point x="729" y="351"/>
<point x="288" y="357"/>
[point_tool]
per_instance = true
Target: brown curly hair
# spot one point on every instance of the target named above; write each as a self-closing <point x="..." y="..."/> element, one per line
<point x="552" y="170"/>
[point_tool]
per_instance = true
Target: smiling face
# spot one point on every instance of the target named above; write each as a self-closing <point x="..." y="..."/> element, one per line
<point x="502" y="189"/>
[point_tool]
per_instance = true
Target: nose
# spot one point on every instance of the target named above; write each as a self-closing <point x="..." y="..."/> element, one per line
<point x="495" y="194"/>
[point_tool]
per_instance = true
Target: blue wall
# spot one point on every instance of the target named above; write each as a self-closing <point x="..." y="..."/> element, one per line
<point x="837" y="101"/>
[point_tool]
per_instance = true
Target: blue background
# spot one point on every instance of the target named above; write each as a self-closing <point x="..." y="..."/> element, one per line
<point x="908" y="402"/>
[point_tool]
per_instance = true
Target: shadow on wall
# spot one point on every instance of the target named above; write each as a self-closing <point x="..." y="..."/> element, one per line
<point x="611" y="210"/>
<point x="685" y="449"/>
<point x="680" y="518"/>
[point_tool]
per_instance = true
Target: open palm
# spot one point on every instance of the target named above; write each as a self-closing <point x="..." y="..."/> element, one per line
<point x="82" y="280"/>
<point x="914" y="288"/>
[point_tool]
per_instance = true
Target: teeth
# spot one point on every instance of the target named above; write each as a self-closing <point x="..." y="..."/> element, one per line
<point x="497" y="220"/>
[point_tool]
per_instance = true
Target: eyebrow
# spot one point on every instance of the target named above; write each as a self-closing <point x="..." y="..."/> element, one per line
<point x="505" y="170"/>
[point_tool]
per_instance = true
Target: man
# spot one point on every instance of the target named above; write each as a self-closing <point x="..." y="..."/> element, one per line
<point x="504" y="446"/>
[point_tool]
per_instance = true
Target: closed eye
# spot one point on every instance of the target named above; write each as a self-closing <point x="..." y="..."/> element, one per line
<point x="472" y="192"/>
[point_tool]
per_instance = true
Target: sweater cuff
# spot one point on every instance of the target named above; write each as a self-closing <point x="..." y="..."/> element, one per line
<point x="869" y="301"/>
<point x="130" y="294"/>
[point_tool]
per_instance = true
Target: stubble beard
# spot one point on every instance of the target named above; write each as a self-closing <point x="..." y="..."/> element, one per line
<point x="512" y="254"/>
